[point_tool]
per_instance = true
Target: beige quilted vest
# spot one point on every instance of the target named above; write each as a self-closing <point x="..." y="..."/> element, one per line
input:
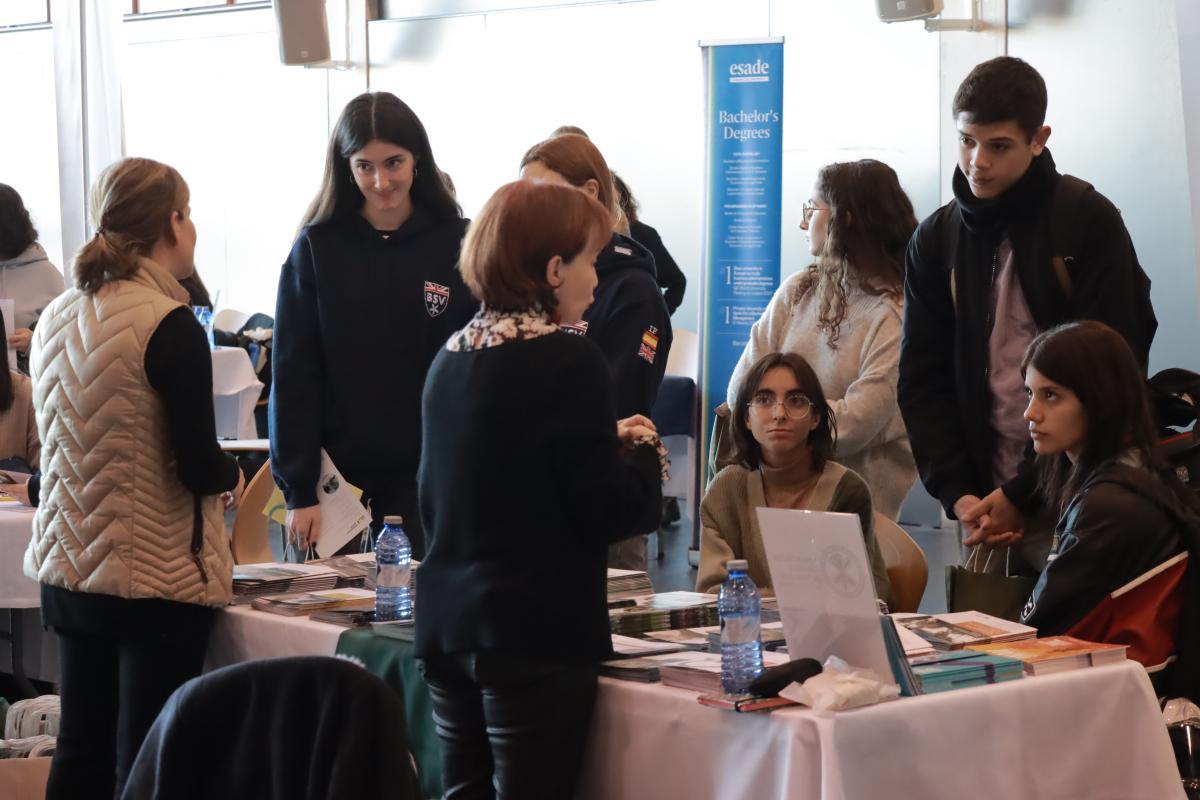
<point x="114" y="518"/>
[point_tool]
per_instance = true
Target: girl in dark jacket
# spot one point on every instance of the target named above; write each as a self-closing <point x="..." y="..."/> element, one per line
<point x="368" y="294"/>
<point x="1118" y="567"/>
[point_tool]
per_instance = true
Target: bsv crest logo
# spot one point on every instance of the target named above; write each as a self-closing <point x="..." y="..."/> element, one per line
<point x="437" y="297"/>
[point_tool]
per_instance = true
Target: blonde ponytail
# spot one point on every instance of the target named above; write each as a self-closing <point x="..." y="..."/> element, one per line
<point x="132" y="204"/>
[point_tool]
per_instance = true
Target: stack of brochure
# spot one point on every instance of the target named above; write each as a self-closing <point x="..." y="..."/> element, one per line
<point x="255" y="580"/>
<point x="1056" y="653"/>
<point x="664" y="611"/>
<point x="942" y="672"/>
<point x="701" y="672"/>
<point x="623" y="583"/>
<point x="356" y="569"/>
<point x="294" y="605"/>
<point x="956" y="630"/>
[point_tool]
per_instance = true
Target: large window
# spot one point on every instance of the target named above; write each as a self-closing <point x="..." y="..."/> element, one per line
<point x="24" y="12"/>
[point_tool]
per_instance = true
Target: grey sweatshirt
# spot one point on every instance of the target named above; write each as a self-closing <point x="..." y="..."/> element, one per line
<point x="31" y="281"/>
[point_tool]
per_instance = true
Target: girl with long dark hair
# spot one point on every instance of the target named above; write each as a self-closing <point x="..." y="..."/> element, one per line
<point x="1121" y="510"/>
<point x="368" y="294"/>
<point x="843" y="315"/>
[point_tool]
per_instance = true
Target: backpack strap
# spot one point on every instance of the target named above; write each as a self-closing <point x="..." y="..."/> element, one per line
<point x="950" y="225"/>
<point x="1066" y="232"/>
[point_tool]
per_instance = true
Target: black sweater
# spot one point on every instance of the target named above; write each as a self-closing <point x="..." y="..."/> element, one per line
<point x="629" y="321"/>
<point x="943" y="388"/>
<point x="522" y="488"/>
<point x="358" y="320"/>
<point x="670" y="278"/>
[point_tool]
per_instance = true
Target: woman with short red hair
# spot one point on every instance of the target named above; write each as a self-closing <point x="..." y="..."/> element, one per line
<point x="526" y="477"/>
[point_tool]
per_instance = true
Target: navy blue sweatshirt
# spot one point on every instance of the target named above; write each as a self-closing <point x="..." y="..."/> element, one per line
<point x="629" y="321"/>
<point x="359" y="318"/>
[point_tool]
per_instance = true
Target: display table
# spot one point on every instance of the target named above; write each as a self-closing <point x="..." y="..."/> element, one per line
<point x="1092" y="733"/>
<point x="236" y="390"/>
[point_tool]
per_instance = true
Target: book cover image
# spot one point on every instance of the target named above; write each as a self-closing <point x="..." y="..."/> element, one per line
<point x="942" y="633"/>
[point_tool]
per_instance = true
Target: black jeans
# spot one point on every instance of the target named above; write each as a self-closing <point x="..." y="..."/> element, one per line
<point x="112" y="688"/>
<point x="512" y="728"/>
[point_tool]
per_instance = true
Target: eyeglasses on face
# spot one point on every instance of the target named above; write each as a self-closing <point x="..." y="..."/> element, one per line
<point x="795" y="404"/>
<point x="809" y="208"/>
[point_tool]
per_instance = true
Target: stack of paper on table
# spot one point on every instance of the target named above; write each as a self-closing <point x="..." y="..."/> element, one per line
<point x="1056" y="653"/>
<point x="701" y="672"/>
<point x="955" y="630"/>
<point x="294" y="605"/>
<point x="354" y="569"/>
<point x="629" y="647"/>
<point x="623" y="583"/>
<point x="658" y="612"/>
<point x="941" y="672"/>
<point x="644" y="669"/>
<point x="254" y="580"/>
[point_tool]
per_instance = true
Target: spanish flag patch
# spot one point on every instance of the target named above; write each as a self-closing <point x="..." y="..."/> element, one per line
<point x="648" y="348"/>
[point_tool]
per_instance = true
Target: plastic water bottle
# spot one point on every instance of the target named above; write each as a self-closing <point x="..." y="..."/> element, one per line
<point x="741" y="650"/>
<point x="393" y="563"/>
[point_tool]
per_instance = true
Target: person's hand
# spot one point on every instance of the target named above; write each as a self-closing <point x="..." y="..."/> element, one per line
<point x="233" y="498"/>
<point x="20" y="339"/>
<point x="19" y="490"/>
<point x="961" y="506"/>
<point x="994" y="521"/>
<point x="630" y="429"/>
<point x="303" y="525"/>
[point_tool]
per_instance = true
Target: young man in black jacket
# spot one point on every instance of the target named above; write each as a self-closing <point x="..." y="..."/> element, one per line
<point x="1020" y="249"/>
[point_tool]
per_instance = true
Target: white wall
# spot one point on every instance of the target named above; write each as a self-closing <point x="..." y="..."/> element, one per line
<point x="28" y="143"/>
<point x="487" y="86"/>
<point x="1116" y="111"/>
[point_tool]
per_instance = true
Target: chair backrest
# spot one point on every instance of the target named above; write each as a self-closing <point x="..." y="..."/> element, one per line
<point x="684" y="358"/>
<point x="299" y="728"/>
<point x="230" y="319"/>
<point x="907" y="567"/>
<point x="251" y="542"/>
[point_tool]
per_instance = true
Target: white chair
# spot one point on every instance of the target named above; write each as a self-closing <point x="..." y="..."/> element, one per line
<point x="230" y="319"/>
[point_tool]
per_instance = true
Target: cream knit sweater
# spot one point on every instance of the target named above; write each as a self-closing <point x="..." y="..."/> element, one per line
<point x="858" y="378"/>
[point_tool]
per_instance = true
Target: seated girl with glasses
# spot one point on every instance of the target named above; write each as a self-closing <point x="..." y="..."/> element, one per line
<point x="784" y="435"/>
<point x="843" y="315"/>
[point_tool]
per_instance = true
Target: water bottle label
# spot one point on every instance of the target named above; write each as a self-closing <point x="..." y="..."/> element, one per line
<point x="739" y="629"/>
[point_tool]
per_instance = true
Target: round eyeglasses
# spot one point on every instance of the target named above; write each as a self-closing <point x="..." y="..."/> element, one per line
<point x="795" y="404"/>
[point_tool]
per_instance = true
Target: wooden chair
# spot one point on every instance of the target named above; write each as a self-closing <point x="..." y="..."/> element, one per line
<point x="907" y="567"/>
<point x="251" y="530"/>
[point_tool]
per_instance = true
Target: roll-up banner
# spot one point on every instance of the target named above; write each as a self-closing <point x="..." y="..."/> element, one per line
<point x="743" y="183"/>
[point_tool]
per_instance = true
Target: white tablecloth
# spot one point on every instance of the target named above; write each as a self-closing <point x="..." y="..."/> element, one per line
<point x="16" y="528"/>
<point x="1093" y="733"/>
<point x="236" y="390"/>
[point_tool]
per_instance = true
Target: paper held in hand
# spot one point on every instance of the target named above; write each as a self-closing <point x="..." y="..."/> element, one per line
<point x="823" y="583"/>
<point x="343" y="516"/>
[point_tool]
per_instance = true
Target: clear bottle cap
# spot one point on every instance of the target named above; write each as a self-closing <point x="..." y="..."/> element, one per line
<point x="737" y="563"/>
<point x="393" y="519"/>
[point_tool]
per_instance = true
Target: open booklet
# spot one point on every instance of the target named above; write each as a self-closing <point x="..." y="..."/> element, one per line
<point x="343" y="515"/>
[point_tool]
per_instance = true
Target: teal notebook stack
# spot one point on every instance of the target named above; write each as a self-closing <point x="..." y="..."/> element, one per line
<point x="942" y="672"/>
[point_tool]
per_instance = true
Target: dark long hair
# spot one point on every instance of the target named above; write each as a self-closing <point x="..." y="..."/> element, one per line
<point x="1094" y="362"/>
<point x="16" y="228"/>
<point x="870" y="222"/>
<point x="821" y="440"/>
<point x="382" y="116"/>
